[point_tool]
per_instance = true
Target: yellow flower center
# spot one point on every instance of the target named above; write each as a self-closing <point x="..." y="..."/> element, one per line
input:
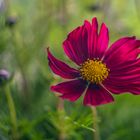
<point x="94" y="71"/>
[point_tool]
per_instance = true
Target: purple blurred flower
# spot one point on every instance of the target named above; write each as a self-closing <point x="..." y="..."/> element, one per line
<point x="2" y="6"/>
<point x="4" y="76"/>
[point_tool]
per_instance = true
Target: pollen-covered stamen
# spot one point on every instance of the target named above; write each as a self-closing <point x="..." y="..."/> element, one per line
<point x="94" y="71"/>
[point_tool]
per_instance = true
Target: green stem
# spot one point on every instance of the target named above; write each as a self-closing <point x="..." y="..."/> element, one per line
<point x="95" y="124"/>
<point x="12" y="112"/>
<point x="61" y="111"/>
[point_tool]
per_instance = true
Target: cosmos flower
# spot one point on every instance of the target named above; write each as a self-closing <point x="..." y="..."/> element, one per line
<point x="101" y="70"/>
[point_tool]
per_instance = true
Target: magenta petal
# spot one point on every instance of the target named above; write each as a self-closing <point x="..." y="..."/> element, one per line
<point x="76" y="44"/>
<point x="123" y="89"/>
<point x="103" y="41"/>
<point x="70" y="90"/>
<point x="60" y="68"/>
<point x="120" y="85"/>
<point x="127" y="70"/>
<point x="122" y="51"/>
<point x="93" y="38"/>
<point x="125" y="78"/>
<point x="84" y="42"/>
<point x="126" y="66"/>
<point x="97" y="95"/>
<point x="97" y="43"/>
<point x="116" y="46"/>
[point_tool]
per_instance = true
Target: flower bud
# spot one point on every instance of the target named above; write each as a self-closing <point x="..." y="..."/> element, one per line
<point x="93" y="8"/>
<point x="11" y="21"/>
<point x="4" y="76"/>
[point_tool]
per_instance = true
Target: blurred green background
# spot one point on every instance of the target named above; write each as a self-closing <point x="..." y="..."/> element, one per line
<point x="27" y="27"/>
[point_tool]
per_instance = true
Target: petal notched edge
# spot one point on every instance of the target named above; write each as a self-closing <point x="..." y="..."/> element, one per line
<point x="103" y="40"/>
<point x="93" y="39"/>
<point x="84" y="42"/>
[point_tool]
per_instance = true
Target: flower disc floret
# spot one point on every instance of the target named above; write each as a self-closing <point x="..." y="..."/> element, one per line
<point x="94" y="71"/>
